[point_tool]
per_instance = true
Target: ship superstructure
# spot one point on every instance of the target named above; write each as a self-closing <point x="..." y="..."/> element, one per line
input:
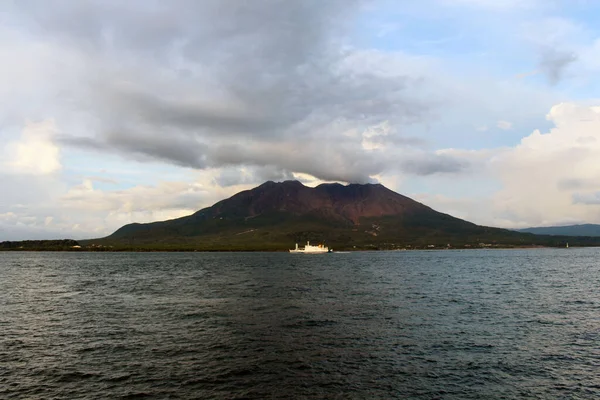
<point x="309" y="249"/>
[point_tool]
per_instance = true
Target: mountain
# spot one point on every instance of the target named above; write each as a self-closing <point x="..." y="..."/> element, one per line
<point x="568" y="230"/>
<point x="275" y="216"/>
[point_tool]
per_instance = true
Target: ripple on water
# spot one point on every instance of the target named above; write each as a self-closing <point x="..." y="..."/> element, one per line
<point x="451" y="325"/>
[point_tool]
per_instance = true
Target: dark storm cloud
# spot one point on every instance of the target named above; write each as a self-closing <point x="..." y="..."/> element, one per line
<point x="178" y="151"/>
<point x="221" y="83"/>
<point x="185" y="114"/>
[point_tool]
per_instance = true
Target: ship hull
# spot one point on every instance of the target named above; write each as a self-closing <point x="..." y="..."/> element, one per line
<point x="308" y="251"/>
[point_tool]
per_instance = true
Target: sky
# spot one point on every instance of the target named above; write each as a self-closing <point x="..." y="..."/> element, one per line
<point x="116" y="112"/>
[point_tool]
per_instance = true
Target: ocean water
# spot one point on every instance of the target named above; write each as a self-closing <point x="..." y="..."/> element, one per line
<point x="440" y="324"/>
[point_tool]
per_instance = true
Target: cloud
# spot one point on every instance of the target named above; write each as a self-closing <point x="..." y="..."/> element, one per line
<point x="21" y="231"/>
<point x="166" y="196"/>
<point x="559" y="43"/>
<point x="35" y="152"/>
<point x="430" y="164"/>
<point x="230" y="84"/>
<point x="251" y="176"/>
<point x="551" y="178"/>
<point x="8" y="216"/>
<point x="267" y="84"/>
<point x="84" y="211"/>
<point x="100" y="212"/>
<point x="554" y="62"/>
<point x="524" y="75"/>
<point x="572" y="184"/>
<point x="374" y="138"/>
<point x="587" y="198"/>
<point x="504" y="125"/>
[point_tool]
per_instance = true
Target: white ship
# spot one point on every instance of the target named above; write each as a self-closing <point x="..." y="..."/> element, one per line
<point x="308" y="249"/>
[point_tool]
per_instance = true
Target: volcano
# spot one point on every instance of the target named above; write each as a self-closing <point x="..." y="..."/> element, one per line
<point x="275" y="216"/>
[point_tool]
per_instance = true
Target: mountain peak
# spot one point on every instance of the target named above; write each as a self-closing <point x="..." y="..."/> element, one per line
<point x="283" y="183"/>
<point x="333" y="202"/>
<point x="277" y="214"/>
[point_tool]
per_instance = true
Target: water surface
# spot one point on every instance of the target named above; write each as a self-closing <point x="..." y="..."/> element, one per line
<point x="437" y="324"/>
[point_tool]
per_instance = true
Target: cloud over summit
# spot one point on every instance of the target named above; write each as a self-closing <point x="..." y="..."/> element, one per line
<point x="215" y="83"/>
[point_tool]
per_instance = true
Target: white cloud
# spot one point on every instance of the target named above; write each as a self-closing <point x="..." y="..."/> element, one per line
<point x="372" y="136"/>
<point x="547" y="179"/>
<point x="8" y="216"/>
<point x="84" y="211"/>
<point x="504" y="125"/>
<point x="99" y="212"/>
<point x="35" y="152"/>
<point x="534" y="172"/>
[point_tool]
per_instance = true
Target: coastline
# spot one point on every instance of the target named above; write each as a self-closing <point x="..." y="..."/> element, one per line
<point x="344" y="250"/>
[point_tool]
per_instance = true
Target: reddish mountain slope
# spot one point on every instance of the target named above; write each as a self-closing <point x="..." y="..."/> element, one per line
<point x="277" y="214"/>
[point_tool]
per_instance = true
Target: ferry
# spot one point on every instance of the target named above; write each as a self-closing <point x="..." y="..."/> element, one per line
<point x="308" y="249"/>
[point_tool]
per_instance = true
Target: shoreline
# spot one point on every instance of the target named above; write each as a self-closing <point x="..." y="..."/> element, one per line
<point x="82" y="250"/>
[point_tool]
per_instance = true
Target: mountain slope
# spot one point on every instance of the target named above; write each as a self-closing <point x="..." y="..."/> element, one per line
<point x="274" y="216"/>
<point x="568" y="230"/>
